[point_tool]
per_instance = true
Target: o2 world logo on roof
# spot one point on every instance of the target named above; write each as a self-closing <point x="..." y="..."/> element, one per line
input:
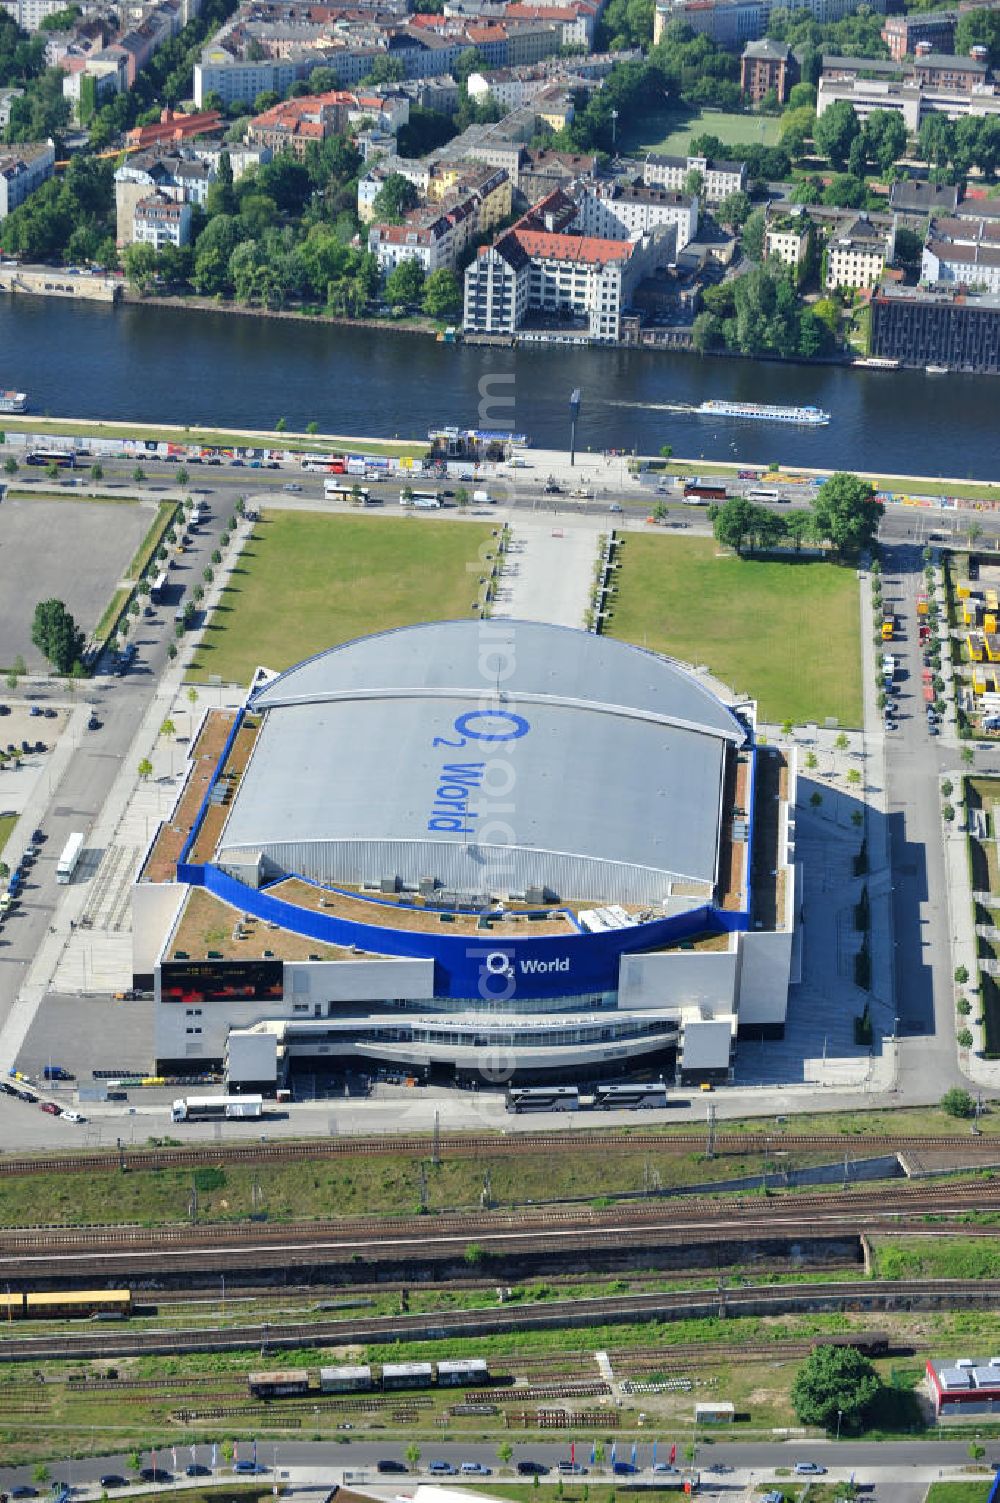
<point x="457" y="781"/>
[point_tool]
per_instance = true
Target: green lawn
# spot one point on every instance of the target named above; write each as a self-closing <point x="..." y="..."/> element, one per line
<point x="787" y="633"/>
<point x="959" y="1492"/>
<point x="212" y="437"/>
<point x="670" y="131"/>
<point x="307" y="581"/>
<point x="7" y="823"/>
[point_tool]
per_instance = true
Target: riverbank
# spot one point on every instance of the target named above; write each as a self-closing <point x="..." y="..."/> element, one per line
<point x="193" y="304"/>
<point x="901" y="485"/>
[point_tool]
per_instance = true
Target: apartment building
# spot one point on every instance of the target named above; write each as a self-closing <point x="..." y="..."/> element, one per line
<point x="963" y="252"/>
<point x="438" y="235"/>
<point x="938" y="70"/>
<point x="767" y="67"/>
<point x="625" y="211"/>
<point x="718" y="178"/>
<point x="935" y="29"/>
<point x="159" y="221"/>
<point x="908" y="98"/>
<point x="788" y="239"/>
<point x="22" y="170"/>
<point x="545" y="265"/>
<point x="733" y="23"/>
<point x="295" y="124"/>
<point x="856" y="257"/>
<point x="29" y="14"/>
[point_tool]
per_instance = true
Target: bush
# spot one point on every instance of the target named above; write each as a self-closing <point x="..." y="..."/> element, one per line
<point x="965" y="1039"/>
<point x="958" y="1103"/>
<point x="961" y="974"/>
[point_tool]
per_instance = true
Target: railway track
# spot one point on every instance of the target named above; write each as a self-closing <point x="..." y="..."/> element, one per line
<point x="847" y="1295"/>
<point x="849" y="1207"/>
<point x="464" y="1145"/>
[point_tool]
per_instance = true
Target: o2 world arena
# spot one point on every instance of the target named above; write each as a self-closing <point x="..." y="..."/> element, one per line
<point x="471" y="851"/>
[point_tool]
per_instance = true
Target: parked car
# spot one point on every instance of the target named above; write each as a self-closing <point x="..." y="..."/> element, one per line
<point x="572" y="1469"/>
<point x="664" y="1466"/>
<point x="441" y="1468"/>
<point x="531" y="1469"/>
<point x="809" y="1469"/>
<point x="112" y="1479"/>
<point x="51" y="1107"/>
<point x="70" y="1116"/>
<point x="155" y="1474"/>
<point x="56" y="1072"/>
<point x="196" y="1469"/>
<point x="389" y="1465"/>
<point x="624" y="1469"/>
<point x="254" y="1468"/>
<point x="476" y="1469"/>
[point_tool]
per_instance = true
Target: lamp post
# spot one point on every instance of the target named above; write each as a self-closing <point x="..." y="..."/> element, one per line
<point x="840" y="1416"/>
<point x="614" y="131"/>
<point x="575" y="399"/>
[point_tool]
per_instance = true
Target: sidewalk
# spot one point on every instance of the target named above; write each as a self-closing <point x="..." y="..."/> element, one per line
<point x="548" y="572"/>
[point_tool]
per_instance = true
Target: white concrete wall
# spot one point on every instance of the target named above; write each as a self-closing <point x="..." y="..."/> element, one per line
<point x="355" y="981"/>
<point x="686" y="978"/>
<point x="154" y="911"/>
<point x="765" y="966"/>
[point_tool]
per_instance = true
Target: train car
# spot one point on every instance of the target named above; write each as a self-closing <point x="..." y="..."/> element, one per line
<point x="355" y="1379"/>
<point x="645" y="1096"/>
<point x="279" y="1385"/>
<point x="871" y="1343"/>
<point x="396" y="1375"/>
<point x="462" y="1373"/>
<point x="82" y="1304"/>
<point x="543" y="1099"/>
<point x="11" y="1306"/>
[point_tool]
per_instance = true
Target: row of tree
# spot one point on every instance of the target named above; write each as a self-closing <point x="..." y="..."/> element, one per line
<point x="760" y="314"/>
<point x="845" y="515"/>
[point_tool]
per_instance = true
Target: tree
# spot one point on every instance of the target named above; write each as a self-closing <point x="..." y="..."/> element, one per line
<point x="841" y="742"/>
<point x="168" y="728"/>
<point x="883" y="138"/>
<point x="41" y="1473"/>
<point x="442" y="294"/>
<point x="56" y="635"/>
<point x="10" y="465"/>
<point x="504" y="1452"/>
<point x="734" y="210"/>
<point x="958" y="1103"/>
<point x="97" y="471"/>
<point x="733" y="522"/>
<point x="396" y="196"/>
<point x="835" y="1380"/>
<point x="846" y="513"/>
<point x="145" y="768"/>
<point x="694" y="183"/>
<point x="138" y="474"/>
<point x="964" y="1038"/>
<point x="183" y="476"/>
<point x="836" y="129"/>
<point x="404" y="283"/>
<point x="666" y="450"/>
<point x="412" y="1454"/>
<point x="754" y="231"/>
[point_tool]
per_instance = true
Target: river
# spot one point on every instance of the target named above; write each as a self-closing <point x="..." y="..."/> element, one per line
<point x="180" y="366"/>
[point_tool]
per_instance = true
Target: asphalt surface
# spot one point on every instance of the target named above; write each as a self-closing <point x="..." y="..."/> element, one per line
<point x="885" y="1459"/>
<point x="79" y="795"/>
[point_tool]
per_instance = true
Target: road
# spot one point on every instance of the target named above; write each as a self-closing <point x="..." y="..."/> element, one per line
<point x="78" y="796"/>
<point x="883" y="1461"/>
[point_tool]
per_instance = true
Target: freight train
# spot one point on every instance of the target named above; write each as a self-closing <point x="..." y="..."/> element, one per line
<point x="392" y="1377"/>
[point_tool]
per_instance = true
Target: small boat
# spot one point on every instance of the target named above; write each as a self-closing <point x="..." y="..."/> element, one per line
<point x="13" y="401"/>
<point x="936" y="370"/>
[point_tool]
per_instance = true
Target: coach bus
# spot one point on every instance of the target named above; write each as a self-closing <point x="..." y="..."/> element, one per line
<point x="64" y="458"/>
<point x="158" y="588"/>
<point x="216" y="1108"/>
<point x="645" y="1096"/>
<point x="336" y="490"/>
<point x="562" y="1098"/>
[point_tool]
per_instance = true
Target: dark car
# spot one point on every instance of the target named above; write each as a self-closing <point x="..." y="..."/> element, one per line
<point x="51" y="1108"/>
<point x="197" y="1470"/>
<point x="26" y="746"/>
<point x="531" y="1469"/>
<point x="37" y="710"/>
<point x="50" y="713"/>
<point x="40" y="747"/>
<point x="24" y="1492"/>
<point x="112" y="1479"/>
<point x="624" y="1469"/>
<point x="155" y="1474"/>
<point x="93" y="724"/>
<point x="4" y="709"/>
<point x="37" y="837"/>
<point x="255" y="1468"/>
<point x="392" y="1466"/>
<point x="56" y="1072"/>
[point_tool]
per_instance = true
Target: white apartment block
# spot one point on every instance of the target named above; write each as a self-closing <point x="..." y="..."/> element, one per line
<point x="910" y="100"/>
<point x="787" y="240"/>
<point x="434" y="242"/>
<point x="29" y="14"/>
<point x="719" y="179"/>
<point x="159" y="221"/>
<point x="625" y="211"/>
<point x="963" y="252"/>
<point x="22" y="170"/>
<point x="857" y="257"/>
<point x="370" y="186"/>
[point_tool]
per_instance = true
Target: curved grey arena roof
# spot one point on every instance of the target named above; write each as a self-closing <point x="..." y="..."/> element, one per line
<point x="492" y="756"/>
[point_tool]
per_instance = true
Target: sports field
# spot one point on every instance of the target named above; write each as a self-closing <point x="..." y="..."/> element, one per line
<point x="787" y="633"/>
<point x="670" y="131"/>
<point x="307" y="581"/>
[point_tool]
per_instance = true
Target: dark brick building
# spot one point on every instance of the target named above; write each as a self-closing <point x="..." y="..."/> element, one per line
<point x="958" y="329"/>
<point x="767" y="65"/>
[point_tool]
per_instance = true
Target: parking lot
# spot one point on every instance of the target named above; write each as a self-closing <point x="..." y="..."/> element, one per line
<point x="74" y="551"/>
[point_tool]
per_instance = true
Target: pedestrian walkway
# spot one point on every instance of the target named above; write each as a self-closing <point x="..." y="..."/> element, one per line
<point x="548" y="572"/>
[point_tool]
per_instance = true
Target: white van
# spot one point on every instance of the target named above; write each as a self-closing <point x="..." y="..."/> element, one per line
<point x="482" y="498"/>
